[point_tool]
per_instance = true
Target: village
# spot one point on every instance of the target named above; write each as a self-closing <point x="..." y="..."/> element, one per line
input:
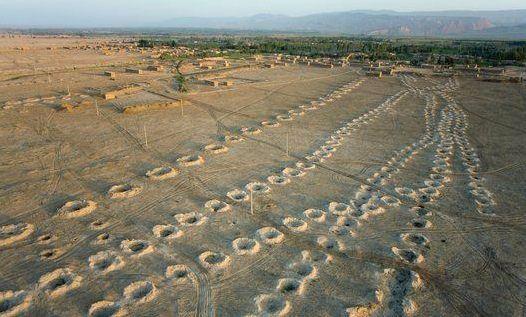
<point x="136" y="67"/>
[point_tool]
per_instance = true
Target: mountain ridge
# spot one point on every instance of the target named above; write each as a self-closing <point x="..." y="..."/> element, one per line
<point x="366" y="22"/>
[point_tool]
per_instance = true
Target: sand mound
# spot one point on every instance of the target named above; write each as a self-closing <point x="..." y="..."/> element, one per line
<point x="257" y="188"/>
<point x="337" y="138"/>
<point x="476" y="183"/>
<point x="51" y="254"/>
<point x="423" y="197"/>
<point x="106" y="261"/>
<point x="162" y="173"/>
<point x="167" y="231"/>
<point x="290" y="286"/>
<point x="179" y="273"/>
<point x="382" y="175"/>
<point x="59" y="282"/>
<point x="295" y="224"/>
<point x="377" y="181"/>
<point x="99" y="225"/>
<point x="322" y="155"/>
<point x="428" y="194"/>
<point x="14" y="303"/>
<point x="304" y="270"/>
<point x="216" y="148"/>
<point x="442" y="162"/>
<point x="278" y="180"/>
<point x="415" y="238"/>
<point x="389" y="169"/>
<point x="245" y="246"/>
<point x="46" y="239"/>
<point x="305" y="165"/>
<point x="314" y="159"/>
<point x="420" y="211"/>
<point x="106" y="309"/>
<point x="308" y="107"/>
<point x="296" y="112"/>
<point x="214" y="260"/>
<point x="329" y="148"/>
<point x="234" y="139"/>
<point x="77" y="208"/>
<point x="362" y="196"/>
<point x="316" y="215"/>
<point x="136" y="248"/>
<point x="410" y="307"/>
<point x="124" y="191"/>
<point x="346" y="221"/>
<point x="191" y="160"/>
<point x="440" y="170"/>
<point x="343" y="131"/>
<point x="329" y="243"/>
<point x="390" y="201"/>
<point x="238" y="195"/>
<point x="484" y="200"/>
<point x="316" y="256"/>
<point x="272" y="305"/>
<point x="270" y="235"/>
<point x="484" y="206"/>
<point x="271" y="123"/>
<point x="292" y="172"/>
<point x="102" y="238"/>
<point x="340" y="230"/>
<point x="250" y="131"/>
<point x="408" y="255"/>
<point x="190" y="219"/>
<point x="139" y="292"/>
<point x="284" y="117"/>
<point x="405" y="191"/>
<point x="421" y="223"/>
<point x="364" y="311"/>
<point x="333" y="143"/>
<point x="371" y="208"/>
<point x="10" y="234"/>
<point x="340" y="209"/>
<point x="314" y="106"/>
<point x="217" y="206"/>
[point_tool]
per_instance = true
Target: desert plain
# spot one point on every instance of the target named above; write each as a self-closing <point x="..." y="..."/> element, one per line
<point x="292" y="191"/>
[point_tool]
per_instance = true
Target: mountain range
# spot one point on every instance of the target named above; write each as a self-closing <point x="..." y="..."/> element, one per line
<point x="476" y="24"/>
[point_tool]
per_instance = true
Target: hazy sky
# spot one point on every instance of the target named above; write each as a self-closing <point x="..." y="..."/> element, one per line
<point x="141" y="12"/>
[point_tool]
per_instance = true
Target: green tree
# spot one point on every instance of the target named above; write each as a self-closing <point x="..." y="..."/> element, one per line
<point x="181" y="83"/>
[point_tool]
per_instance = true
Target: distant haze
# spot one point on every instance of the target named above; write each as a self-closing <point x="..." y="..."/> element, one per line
<point x="138" y="13"/>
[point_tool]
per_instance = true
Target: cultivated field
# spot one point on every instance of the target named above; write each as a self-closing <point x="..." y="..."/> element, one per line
<point x="298" y="191"/>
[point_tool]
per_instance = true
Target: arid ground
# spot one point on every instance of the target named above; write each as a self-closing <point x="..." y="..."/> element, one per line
<point x="298" y="191"/>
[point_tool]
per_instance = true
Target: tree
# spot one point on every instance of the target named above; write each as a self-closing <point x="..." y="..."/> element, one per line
<point x="181" y="83"/>
<point x="145" y="43"/>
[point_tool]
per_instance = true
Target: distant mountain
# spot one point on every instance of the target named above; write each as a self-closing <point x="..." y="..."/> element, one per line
<point x="515" y="32"/>
<point x="498" y="18"/>
<point x="381" y="23"/>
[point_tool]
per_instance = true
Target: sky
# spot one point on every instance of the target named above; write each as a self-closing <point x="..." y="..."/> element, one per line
<point x="144" y="12"/>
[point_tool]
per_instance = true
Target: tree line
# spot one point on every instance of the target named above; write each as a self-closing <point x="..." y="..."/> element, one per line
<point x="415" y="50"/>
